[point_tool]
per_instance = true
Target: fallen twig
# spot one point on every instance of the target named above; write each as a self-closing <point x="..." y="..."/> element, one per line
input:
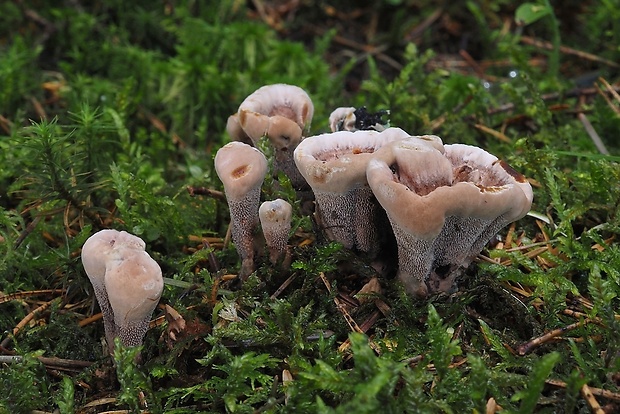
<point x="527" y="347"/>
<point x="194" y="191"/>
<point x="598" y="142"/>
<point x="50" y="362"/>
<point x="599" y="392"/>
<point x="26" y="320"/>
<point x="567" y="50"/>
<point x="595" y="407"/>
<point x="345" y="314"/>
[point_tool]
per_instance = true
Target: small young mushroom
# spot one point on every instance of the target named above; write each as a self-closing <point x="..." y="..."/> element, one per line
<point x="242" y="169"/>
<point x="334" y="165"/>
<point x="275" y="219"/>
<point x="357" y="119"/>
<point x="342" y="119"/>
<point x="281" y="113"/>
<point x="443" y="206"/>
<point x="101" y="257"/>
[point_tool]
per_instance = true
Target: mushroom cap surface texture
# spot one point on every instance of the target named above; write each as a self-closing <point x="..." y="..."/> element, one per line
<point x="342" y="119"/>
<point x="134" y="284"/>
<point x="241" y="168"/>
<point x="263" y="111"/>
<point x="443" y="206"/>
<point x="336" y="162"/>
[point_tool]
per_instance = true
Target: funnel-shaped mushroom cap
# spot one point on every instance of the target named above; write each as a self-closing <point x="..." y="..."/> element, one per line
<point x="280" y="112"/>
<point x="242" y="169"/>
<point x="134" y="284"/>
<point x="275" y="219"/>
<point x="336" y="162"/>
<point x="441" y="206"/>
<point x="289" y="101"/>
<point x="334" y="165"/>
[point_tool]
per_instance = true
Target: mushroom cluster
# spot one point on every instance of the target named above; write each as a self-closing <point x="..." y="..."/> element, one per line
<point x="370" y="183"/>
<point x="127" y="283"/>
<point x="444" y="205"/>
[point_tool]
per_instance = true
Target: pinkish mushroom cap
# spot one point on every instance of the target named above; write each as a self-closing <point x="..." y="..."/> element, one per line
<point x="334" y="165"/>
<point x="134" y="284"/>
<point x="441" y="208"/>
<point x="280" y="112"/>
<point x="342" y="119"/>
<point x="242" y="169"/>
<point x="99" y="255"/>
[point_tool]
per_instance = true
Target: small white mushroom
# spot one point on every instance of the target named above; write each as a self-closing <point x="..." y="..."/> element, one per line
<point x="275" y="218"/>
<point x="342" y="119"/>
<point x="242" y="169"/>
<point x="443" y="207"/>
<point x="101" y="258"/>
<point x="357" y="119"/>
<point x="334" y="165"/>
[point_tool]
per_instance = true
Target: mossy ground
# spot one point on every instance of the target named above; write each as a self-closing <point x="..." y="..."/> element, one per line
<point x="110" y="111"/>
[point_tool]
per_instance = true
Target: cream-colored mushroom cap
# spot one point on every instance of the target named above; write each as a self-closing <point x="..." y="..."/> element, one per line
<point x="276" y="212"/>
<point x="275" y="218"/>
<point x="289" y="101"/>
<point x="93" y="253"/>
<point x="241" y="168"/>
<point x="422" y="187"/>
<point x="336" y="162"/>
<point x="97" y="246"/>
<point x="491" y="176"/>
<point x="134" y="284"/>
<point x="342" y="119"/>
<point x="404" y="178"/>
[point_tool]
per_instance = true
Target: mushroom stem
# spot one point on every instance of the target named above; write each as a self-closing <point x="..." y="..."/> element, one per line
<point x="242" y="169"/>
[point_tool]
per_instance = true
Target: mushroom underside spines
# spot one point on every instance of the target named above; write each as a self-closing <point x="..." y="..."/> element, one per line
<point x="131" y="333"/>
<point x="244" y="221"/>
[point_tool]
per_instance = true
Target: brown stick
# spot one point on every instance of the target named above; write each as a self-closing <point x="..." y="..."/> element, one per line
<point x="20" y="295"/>
<point x="595" y="407"/>
<point x="599" y="392"/>
<point x="567" y="50"/>
<point x="527" y="347"/>
<point x="194" y="191"/>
